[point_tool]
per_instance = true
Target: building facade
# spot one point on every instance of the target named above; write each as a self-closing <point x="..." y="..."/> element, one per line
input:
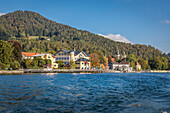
<point x="81" y="58"/>
<point x="48" y="56"/>
<point x="82" y="63"/>
<point x="122" y="66"/>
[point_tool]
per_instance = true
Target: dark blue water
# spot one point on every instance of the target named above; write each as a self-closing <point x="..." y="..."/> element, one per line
<point x="88" y="93"/>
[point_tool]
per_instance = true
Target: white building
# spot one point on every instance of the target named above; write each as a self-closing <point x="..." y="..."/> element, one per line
<point x="122" y="66"/>
<point x="81" y="58"/>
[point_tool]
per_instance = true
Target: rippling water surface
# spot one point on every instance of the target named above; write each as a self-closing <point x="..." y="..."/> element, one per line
<point x="88" y="93"/>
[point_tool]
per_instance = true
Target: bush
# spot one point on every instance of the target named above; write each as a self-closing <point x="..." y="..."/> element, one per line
<point x="2" y="66"/>
<point x="15" y="65"/>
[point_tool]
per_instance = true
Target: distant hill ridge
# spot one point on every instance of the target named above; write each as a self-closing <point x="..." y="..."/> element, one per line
<point x="19" y="25"/>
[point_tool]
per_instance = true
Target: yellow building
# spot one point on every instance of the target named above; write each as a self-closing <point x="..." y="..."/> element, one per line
<point x="48" y="56"/>
<point x="82" y="63"/>
<point x="81" y="58"/>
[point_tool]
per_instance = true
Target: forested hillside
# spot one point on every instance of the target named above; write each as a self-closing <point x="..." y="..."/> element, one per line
<point x="25" y="25"/>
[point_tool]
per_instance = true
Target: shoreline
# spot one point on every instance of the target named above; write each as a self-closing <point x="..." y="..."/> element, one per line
<point x="32" y="71"/>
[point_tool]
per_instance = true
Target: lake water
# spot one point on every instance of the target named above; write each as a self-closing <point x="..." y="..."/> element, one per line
<point x="88" y="93"/>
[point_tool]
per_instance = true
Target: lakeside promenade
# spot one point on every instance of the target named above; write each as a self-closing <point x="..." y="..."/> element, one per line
<point x="22" y="71"/>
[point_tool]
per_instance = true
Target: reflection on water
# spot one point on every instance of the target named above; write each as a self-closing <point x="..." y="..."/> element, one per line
<point x="89" y="93"/>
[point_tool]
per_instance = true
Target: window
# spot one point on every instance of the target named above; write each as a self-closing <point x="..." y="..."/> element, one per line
<point x="59" y="54"/>
<point x="65" y="62"/>
<point x="67" y="58"/>
<point x="81" y="55"/>
<point x="64" y="53"/>
<point x="48" y="56"/>
<point x="64" y="58"/>
<point x="82" y="63"/>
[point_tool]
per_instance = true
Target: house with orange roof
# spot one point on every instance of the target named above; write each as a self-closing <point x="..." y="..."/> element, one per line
<point x="26" y="55"/>
<point x="138" y="66"/>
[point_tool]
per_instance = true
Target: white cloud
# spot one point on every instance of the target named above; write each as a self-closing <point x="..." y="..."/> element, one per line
<point x="165" y="22"/>
<point x="116" y="37"/>
<point x="2" y="14"/>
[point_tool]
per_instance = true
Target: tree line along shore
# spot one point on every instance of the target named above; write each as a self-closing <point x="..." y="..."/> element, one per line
<point x="11" y="57"/>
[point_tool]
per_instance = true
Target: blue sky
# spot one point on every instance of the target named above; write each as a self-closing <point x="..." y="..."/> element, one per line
<point x="140" y="21"/>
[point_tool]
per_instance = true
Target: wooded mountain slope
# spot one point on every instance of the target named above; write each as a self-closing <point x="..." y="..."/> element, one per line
<point x="20" y="25"/>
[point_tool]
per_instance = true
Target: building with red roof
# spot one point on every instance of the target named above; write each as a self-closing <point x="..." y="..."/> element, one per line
<point x="26" y="55"/>
<point x="138" y="66"/>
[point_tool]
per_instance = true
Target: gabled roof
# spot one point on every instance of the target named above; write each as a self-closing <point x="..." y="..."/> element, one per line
<point x="65" y="50"/>
<point x="137" y="63"/>
<point x="42" y="54"/>
<point x="82" y="59"/>
<point x="27" y="54"/>
<point x="115" y="62"/>
<point x="39" y="55"/>
<point x="124" y="62"/>
<point x="75" y="52"/>
<point x="86" y="53"/>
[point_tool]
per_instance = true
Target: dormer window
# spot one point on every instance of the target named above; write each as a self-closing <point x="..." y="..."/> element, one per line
<point x="81" y="55"/>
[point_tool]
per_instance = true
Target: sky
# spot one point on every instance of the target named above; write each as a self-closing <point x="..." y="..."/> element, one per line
<point x="140" y="21"/>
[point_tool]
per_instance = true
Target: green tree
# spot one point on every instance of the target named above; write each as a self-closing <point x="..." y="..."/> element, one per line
<point x="17" y="52"/>
<point x="51" y="51"/>
<point x="132" y="64"/>
<point x="143" y="64"/>
<point x="72" y="65"/>
<point x="131" y="58"/>
<point x="15" y="65"/>
<point x="164" y="63"/>
<point x="60" y="63"/>
<point x="3" y="34"/>
<point x="28" y="63"/>
<point x="2" y="66"/>
<point x="94" y="59"/>
<point x="102" y="58"/>
<point x="6" y="50"/>
<point x="47" y="61"/>
<point x="38" y="62"/>
<point x="155" y="63"/>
